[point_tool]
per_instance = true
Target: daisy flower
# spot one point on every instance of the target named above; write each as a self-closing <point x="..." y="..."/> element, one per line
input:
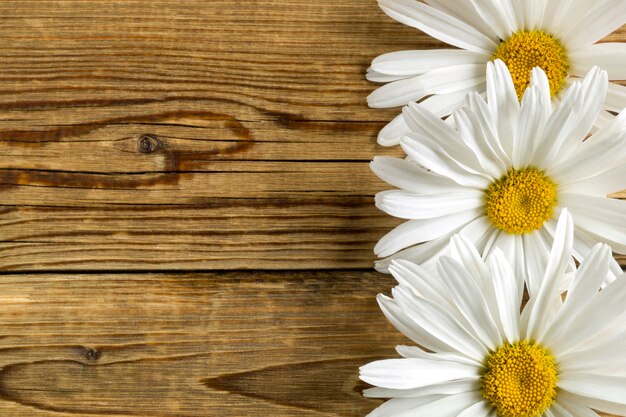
<point x="557" y="35"/>
<point x="504" y="173"/>
<point x="555" y="359"/>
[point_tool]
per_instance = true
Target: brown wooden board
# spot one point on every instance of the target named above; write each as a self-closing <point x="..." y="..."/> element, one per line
<point x="191" y="134"/>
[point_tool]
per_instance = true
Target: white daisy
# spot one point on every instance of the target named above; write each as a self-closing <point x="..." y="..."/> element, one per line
<point x="555" y="359"/>
<point x="504" y="172"/>
<point x="556" y="35"/>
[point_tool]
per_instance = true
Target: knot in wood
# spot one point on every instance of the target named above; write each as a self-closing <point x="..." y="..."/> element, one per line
<point x="148" y="143"/>
<point x="92" y="354"/>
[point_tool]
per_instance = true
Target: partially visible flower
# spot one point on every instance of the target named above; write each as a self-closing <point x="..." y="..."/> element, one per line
<point x="555" y="359"/>
<point x="504" y="173"/>
<point x="557" y="35"/>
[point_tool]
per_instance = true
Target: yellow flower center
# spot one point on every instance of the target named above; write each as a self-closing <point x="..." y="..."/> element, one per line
<point x="524" y="51"/>
<point x="520" y="380"/>
<point x="521" y="201"/>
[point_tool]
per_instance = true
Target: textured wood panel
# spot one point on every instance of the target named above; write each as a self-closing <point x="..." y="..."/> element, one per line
<point x="195" y="134"/>
<point x="229" y="344"/>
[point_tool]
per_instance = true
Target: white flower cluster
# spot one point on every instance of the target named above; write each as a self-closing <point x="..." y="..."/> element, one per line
<point x="513" y="143"/>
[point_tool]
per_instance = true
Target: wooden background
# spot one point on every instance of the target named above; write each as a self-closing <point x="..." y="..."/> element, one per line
<point x="187" y="215"/>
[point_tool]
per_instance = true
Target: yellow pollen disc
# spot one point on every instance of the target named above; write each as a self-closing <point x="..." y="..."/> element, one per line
<point x="524" y="51"/>
<point x="520" y="380"/>
<point x="521" y="201"/>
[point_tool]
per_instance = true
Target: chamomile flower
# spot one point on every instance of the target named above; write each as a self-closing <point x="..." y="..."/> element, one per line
<point x="557" y="35"/>
<point x="484" y="358"/>
<point x="504" y="172"/>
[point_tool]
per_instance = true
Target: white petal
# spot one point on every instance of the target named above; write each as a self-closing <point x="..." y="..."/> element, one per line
<point x="411" y="63"/>
<point x="470" y="302"/>
<point x="606" y="308"/>
<point x="471" y="133"/>
<point x="401" y="321"/>
<point x="480" y="409"/>
<point x="378" y="77"/>
<point x="395" y="406"/>
<point x="499" y="14"/>
<point x="605" y="217"/>
<point x="438" y="25"/>
<point x="558" y="411"/>
<point x="573" y="119"/>
<point x="575" y="408"/>
<point x="537" y="312"/>
<point x="415" y="373"/>
<point x="611" y="181"/>
<point x="421" y="254"/>
<point x="432" y="156"/>
<point x="440" y="323"/>
<point x="444" y="104"/>
<point x="536" y="252"/>
<point x="439" y="81"/>
<point x="477" y="231"/>
<point x="606" y="406"/>
<point x="607" y="354"/>
<point x="420" y="281"/>
<point x="534" y="11"/>
<point x="554" y="10"/>
<point x="406" y="175"/>
<point x="605" y="388"/>
<point x="466" y="12"/>
<point x="539" y="80"/>
<point x="606" y="148"/>
<point x="416" y="352"/>
<point x="463" y="250"/>
<point x="604" y="118"/>
<point x="593" y="94"/>
<point x="616" y="97"/>
<point x="413" y="232"/>
<point x="512" y="247"/>
<point x="489" y="130"/>
<point x="439" y="104"/>
<point x="448" y="406"/>
<point x="503" y="103"/>
<point x="611" y="57"/>
<point x="447" y="388"/>
<point x="393" y="132"/>
<point x="425" y="123"/>
<point x="557" y="128"/>
<point x="453" y="142"/>
<point x="588" y="280"/>
<point x="531" y="124"/>
<point x="598" y="23"/>
<point x="506" y="293"/>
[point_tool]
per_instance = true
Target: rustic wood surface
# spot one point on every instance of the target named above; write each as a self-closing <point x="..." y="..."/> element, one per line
<point x="199" y="138"/>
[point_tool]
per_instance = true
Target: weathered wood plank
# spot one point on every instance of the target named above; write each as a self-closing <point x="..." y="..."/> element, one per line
<point x="219" y="234"/>
<point x="287" y="344"/>
<point x="120" y="118"/>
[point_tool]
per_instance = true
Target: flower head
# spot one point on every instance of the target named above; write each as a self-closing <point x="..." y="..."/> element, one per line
<point x="504" y="171"/>
<point x="479" y="356"/>
<point x="558" y="36"/>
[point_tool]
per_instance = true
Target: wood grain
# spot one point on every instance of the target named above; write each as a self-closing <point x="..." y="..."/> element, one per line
<point x="229" y="344"/>
<point x="237" y="130"/>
